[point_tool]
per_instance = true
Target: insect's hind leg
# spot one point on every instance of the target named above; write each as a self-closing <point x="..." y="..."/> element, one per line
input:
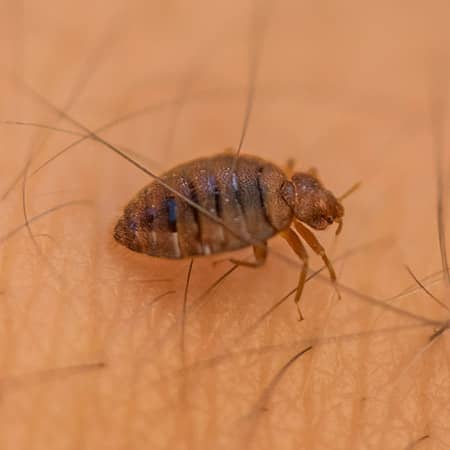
<point x="297" y="245"/>
<point x="260" y="252"/>
<point x="312" y="241"/>
<point x="289" y="167"/>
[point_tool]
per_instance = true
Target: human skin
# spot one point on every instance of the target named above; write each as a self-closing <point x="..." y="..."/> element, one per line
<point x="88" y="362"/>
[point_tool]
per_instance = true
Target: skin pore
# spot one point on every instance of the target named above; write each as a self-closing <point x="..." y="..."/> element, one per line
<point x="103" y="348"/>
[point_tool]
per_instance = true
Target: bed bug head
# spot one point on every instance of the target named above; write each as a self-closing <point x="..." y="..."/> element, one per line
<point x="311" y="203"/>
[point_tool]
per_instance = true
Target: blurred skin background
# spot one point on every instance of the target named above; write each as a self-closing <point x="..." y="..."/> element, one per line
<point x="92" y="349"/>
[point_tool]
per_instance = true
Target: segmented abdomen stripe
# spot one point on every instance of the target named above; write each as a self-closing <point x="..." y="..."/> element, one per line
<point x="171" y="206"/>
<point x="262" y="201"/>
<point x="194" y="197"/>
<point x="216" y="192"/>
<point x="212" y="198"/>
<point x="237" y="193"/>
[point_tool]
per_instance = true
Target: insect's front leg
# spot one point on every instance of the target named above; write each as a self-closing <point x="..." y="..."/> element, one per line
<point x="312" y="241"/>
<point x="296" y="244"/>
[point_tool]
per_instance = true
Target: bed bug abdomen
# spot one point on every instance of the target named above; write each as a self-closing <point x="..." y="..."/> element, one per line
<point x="247" y="202"/>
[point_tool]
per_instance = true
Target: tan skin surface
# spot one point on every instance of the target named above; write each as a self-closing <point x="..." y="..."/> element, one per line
<point x="91" y="342"/>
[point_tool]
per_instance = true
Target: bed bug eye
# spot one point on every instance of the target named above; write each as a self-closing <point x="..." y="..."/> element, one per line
<point x="329" y="219"/>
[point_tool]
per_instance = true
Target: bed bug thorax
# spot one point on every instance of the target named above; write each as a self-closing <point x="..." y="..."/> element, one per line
<point x="310" y="202"/>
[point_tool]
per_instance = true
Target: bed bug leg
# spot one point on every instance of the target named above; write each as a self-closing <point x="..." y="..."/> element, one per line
<point x="313" y="172"/>
<point x="260" y="252"/>
<point x="296" y="244"/>
<point x="289" y="167"/>
<point x="312" y="241"/>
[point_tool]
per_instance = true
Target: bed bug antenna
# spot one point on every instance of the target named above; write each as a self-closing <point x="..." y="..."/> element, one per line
<point x="342" y="197"/>
<point x="350" y="191"/>
<point x="340" y="226"/>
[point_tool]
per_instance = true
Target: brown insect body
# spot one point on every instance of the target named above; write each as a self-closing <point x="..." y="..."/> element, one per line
<point x="235" y="203"/>
<point x="248" y="201"/>
<point x="255" y="202"/>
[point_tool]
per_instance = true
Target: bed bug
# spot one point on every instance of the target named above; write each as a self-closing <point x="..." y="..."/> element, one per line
<point x="234" y="203"/>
